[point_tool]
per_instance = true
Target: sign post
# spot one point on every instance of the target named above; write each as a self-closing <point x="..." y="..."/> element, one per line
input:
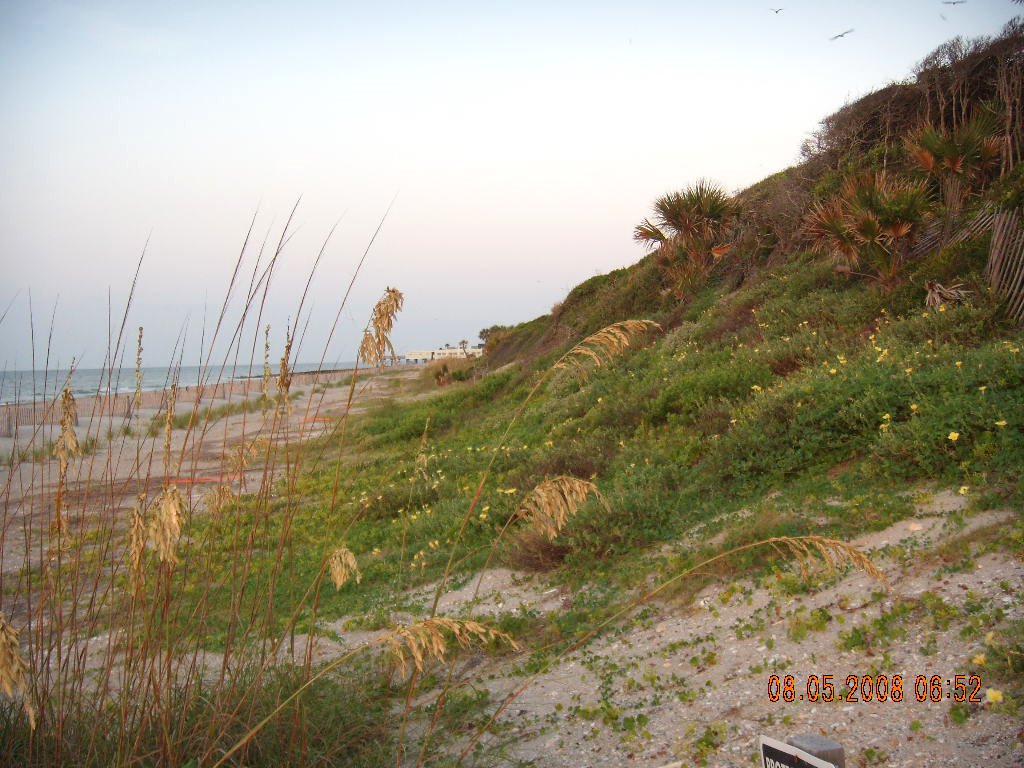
<point x="777" y="754"/>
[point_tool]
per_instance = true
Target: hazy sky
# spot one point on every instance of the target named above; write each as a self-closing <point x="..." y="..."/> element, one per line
<point x="523" y="139"/>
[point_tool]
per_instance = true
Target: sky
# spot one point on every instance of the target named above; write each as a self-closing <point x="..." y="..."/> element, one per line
<point x="509" y="147"/>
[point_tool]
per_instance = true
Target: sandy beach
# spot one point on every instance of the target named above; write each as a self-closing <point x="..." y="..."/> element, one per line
<point x="126" y="450"/>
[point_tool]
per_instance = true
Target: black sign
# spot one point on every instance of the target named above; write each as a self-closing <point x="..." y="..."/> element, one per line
<point x="775" y="754"/>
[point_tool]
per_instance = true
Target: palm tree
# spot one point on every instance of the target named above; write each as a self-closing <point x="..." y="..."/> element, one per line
<point x="959" y="161"/>
<point x="690" y="234"/>
<point x="870" y="224"/>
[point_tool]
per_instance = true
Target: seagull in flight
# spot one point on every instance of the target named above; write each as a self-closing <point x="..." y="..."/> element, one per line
<point x="841" y="34"/>
<point x="953" y="2"/>
<point x="776" y="11"/>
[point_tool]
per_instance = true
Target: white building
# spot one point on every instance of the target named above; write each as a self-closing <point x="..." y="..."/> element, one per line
<point x="447" y="352"/>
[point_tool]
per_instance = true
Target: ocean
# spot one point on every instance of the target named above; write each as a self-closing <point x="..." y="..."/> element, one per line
<point x="24" y="386"/>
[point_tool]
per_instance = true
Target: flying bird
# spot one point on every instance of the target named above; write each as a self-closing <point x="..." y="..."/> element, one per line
<point x="953" y="2"/>
<point x="776" y="11"/>
<point x="841" y="34"/>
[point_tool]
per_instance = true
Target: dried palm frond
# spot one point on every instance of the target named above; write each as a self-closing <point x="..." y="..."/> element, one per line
<point x="939" y="294"/>
<point x="429" y="640"/>
<point x="548" y="506"/>
<point x="343" y="566"/>
<point x="165" y="524"/>
<point x="13" y="667"/>
<point x="810" y="552"/>
<point x="602" y="347"/>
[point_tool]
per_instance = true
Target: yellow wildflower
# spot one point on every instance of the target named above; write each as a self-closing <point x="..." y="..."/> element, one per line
<point x="954" y="436"/>
<point x="993" y="696"/>
<point x="979" y="660"/>
<point x="964" y="490"/>
<point x="1001" y="423"/>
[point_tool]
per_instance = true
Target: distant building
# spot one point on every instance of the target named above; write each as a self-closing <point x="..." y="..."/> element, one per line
<point x="447" y="352"/>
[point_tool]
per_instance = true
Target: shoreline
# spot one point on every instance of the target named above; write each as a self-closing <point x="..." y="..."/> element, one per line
<point x="121" y="406"/>
<point x="24" y="387"/>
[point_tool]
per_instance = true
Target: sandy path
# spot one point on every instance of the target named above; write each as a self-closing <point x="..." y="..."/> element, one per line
<point x="688" y="685"/>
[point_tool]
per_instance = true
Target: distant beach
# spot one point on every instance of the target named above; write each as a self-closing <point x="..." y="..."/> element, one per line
<point x="26" y="386"/>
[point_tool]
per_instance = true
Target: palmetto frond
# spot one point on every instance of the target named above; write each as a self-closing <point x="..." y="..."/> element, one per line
<point x="692" y="230"/>
<point x="872" y="221"/>
<point x="971" y="151"/>
<point x="829" y="228"/>
<point x="709" y="201"/>
<point x="696" y="211"/>
<point x="649" y="234"/>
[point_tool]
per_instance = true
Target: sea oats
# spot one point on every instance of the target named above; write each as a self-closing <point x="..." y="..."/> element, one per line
<point x="369" y="350"/>
<point x="137" y="400"/>
<point x="67" y="442"/>
<point x="604" y="346"/>
<point x="810" y="551"/>
<point x="238" y="459"/>
<point x="428" y="640"/>
<point x="284" y="374"/>
<point x="343" y="566"/>
<point x="548" y="506"/>
<point x="172" y="395"/>
<point x="13" y="668"/>
<point x="219" y="499"/>
<point x="376" y="343"/>
<point x="65" y="447"/>
<point x="137" y="543"/>
<point x="165" y="524"/>
<point x="266" y="361"/>
<point x="421" y="456"/>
